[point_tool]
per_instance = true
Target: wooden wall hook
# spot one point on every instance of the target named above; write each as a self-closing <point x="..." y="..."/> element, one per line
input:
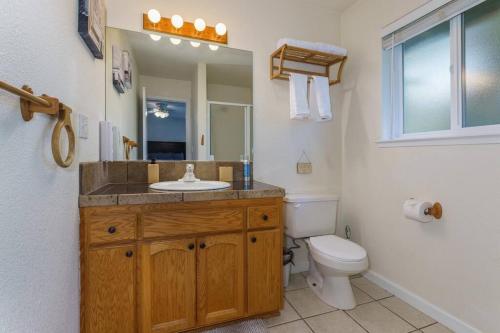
<point x="436" y="211"/>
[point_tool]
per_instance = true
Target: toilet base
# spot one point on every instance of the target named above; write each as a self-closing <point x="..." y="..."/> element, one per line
<point x="334" y="290"/>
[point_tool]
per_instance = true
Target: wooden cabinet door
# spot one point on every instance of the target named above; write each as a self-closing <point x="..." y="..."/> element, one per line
<point x="109" y="290"/>
<point x="220" y="278"/>
<point x="168" y="286"/>
<point x="264" y="271"/>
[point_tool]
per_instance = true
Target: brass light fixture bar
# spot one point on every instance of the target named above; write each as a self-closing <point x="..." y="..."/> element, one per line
<point x="188" y="30"/>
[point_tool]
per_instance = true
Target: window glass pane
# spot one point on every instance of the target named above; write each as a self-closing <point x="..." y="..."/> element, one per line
<point x="482" y="65"/>
<point x="426" y="81"/>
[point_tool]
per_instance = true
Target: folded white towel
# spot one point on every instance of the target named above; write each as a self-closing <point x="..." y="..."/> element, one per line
<point x="105" y="141"/>
<point x="321" y="47"/>
<point x="299" y="108"/>
<point x="320" y="98"/>
<point x="117" y="144"/>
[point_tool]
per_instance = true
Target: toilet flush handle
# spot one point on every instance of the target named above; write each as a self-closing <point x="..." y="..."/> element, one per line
<point x="297" y="205"/>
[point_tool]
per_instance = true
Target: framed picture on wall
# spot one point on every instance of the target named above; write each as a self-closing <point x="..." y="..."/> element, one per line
<point x="91" y="25"/>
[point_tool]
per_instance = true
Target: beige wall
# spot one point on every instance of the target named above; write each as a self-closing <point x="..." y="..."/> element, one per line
<point x="454" y="264"/>
<point x="122" y="109"/>
<point x="254" y="25"/>
<point x="39" y="253"/>
<point x="230" y="94"/>
<point x="166" y="88"/>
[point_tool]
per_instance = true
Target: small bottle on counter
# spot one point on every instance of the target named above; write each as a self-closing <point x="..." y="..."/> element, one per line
<point x="247" y="170"/>
<point x="153" y="172"/>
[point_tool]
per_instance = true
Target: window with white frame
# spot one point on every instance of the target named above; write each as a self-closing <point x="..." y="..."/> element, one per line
<point x="441" y="74"/>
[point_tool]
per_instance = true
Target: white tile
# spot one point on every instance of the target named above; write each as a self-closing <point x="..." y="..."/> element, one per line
<point x="436" y="328"/>
<point x="407" y="312"/>
<point x="360" y="296"/>
<point x="334" y="322"/>
<point x="370" y="288"/>
<point x="297" y="281"/>
<point x="293" y="327"/>
<point x="288" y="314"/>
<point x="307" y="303"/>
<point x="377" y="319"/>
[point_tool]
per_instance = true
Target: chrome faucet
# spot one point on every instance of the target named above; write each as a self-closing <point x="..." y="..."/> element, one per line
<point x="189" y="175"/>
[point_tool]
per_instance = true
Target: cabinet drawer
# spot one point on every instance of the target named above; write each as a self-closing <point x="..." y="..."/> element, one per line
<point x="184" y="222"/>
<point x="262" y="217"/>
<point x="109" y="228"/>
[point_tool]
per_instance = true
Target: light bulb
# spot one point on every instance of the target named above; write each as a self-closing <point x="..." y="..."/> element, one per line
<point x="177" y="21"/>
<point x="199" y="24"/>
<point x="155" y="37"/>
<point x="213" y="47"/>
<point x="154" y="16"/>
<point x="195" y="44"/>
<point x="220" y="29"/>
<point x="175" y="41"/>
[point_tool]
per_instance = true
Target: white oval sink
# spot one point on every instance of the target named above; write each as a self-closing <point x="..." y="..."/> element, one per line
<point x="181" y="186"/>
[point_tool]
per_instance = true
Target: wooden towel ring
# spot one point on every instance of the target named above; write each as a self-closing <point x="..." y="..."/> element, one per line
<point x="31" y="104"/>
<point x="63" y="121"/>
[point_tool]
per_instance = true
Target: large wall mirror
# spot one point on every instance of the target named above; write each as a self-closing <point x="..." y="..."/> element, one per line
<point x="176" y="99"/>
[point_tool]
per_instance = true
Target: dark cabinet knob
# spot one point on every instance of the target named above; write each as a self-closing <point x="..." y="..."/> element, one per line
<point x="265" y="217"/>
<point x="129" y="254"/>
<point x="111" y="230"/>
<point x="253" y="239"/>
<point x="203" y="245"/>
<point x="191" y="246"/>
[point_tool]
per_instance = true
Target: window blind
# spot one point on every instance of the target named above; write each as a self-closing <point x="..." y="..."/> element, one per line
<point x="428" y="21"/>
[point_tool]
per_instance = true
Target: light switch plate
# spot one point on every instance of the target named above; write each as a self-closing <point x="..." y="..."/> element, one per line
<point x="83" y="126"/>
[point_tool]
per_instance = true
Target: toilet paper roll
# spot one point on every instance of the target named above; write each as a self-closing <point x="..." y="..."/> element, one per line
<point x="415" y="210"/>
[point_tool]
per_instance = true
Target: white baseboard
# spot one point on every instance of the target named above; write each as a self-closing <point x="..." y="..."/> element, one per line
<point x="421" y="304"/>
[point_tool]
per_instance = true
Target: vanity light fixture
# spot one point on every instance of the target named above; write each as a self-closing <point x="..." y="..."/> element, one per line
<point x="177" y="21"/>
<point x="177" y="27"/>
<point x="195" y="44"/>
<point x="200" y="25"/>
<point x="155" y="37"/>
<point x="220" y="29"/>
<point x="154" y="16"/>
<point x="213" y="47"/>
<point x="175" y="41"/>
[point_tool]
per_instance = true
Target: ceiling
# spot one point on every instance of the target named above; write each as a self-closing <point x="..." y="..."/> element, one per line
<point x="338" y="5"/>
<point x="166" y="60"/>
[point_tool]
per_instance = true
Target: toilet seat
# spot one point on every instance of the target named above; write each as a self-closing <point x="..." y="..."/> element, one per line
<point x="338" y="249"/>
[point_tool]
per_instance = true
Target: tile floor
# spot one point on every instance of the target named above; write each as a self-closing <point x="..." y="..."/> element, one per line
<point x="377" y="312"/>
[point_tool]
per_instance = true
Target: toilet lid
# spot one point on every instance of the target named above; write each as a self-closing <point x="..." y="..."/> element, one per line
<point x="338" y="248"/>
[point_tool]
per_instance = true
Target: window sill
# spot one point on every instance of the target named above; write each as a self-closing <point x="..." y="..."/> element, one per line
<point x="450" y="140"/>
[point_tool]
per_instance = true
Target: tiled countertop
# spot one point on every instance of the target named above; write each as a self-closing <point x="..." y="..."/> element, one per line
<point x="137" y="194"/>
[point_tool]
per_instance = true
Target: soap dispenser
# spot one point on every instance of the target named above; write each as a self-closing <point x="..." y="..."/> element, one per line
<point x="153" y="172"/>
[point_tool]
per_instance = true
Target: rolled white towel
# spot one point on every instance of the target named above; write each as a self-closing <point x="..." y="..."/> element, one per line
<point x="299" y="108"/>
<point x="320" y="101"/>
<point x="321" y="47"/>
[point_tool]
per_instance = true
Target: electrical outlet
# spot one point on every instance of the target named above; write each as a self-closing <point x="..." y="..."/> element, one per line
<point x="83" y="126"/>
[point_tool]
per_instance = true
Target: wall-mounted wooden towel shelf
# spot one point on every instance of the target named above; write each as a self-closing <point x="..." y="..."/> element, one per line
<point x="317" y="63"/>
<point x="30" y="104"/>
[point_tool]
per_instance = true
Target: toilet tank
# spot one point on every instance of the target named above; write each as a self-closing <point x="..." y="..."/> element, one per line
<point x="310" y="214"/>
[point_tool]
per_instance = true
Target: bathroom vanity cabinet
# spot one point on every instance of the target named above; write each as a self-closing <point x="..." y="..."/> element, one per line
<point x="173" y="267"/>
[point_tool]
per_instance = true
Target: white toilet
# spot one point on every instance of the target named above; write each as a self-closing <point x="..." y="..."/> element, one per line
<point x="332" y="259"/>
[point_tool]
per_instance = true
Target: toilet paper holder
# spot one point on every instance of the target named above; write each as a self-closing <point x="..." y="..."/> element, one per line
<point x="435" y="211"/>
